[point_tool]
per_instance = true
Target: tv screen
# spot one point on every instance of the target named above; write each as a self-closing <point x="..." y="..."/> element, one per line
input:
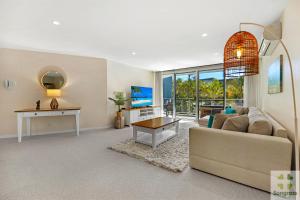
<point x="141" y="96"/>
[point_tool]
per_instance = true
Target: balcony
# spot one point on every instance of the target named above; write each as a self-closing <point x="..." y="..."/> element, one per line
<point x="186" y="107"/>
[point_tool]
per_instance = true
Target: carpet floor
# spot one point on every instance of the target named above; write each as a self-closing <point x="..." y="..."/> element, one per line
<point x="67" y="167"/>
<point x="172" y="154"/>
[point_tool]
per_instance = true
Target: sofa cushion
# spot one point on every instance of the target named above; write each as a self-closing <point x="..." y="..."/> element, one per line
<point x="246" y="110"/>
<point x="219" y="120"/>
<point x="241" y="110"/>
<point x="277" y="129"/>
<point x="237" y="123"/>
<point x="253" y="111"/>
<point x="259" y="124"/>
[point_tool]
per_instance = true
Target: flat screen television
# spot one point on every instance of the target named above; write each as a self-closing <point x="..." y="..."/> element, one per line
<point x="141" y="96"/>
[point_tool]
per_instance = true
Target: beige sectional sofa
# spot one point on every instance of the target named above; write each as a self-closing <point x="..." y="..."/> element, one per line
<point x="247" y="158"/>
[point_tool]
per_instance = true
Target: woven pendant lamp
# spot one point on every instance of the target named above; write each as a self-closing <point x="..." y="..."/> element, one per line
<point x="241" y="55"/>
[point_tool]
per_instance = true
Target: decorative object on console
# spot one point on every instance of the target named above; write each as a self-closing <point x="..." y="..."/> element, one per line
<point x="271" y="32"/>
<point x="38" y="105"/>
<point x="275" y="76"/>
<point x="119" y="101"/>
<point x="53" y="81"/>
<point x="53" y="93"/>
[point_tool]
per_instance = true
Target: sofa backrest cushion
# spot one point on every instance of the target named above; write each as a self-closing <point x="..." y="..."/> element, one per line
<point x="258" y="123"/>
<point x="238" y="123"/>
<point x="241" y="110"/>
<point x="277" y="129"/>
<point x="219" y="120"/>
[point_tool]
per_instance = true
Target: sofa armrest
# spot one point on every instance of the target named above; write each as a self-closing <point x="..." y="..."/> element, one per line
<point x="254" y="152"/>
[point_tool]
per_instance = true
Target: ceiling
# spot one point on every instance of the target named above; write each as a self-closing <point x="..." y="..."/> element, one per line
<point x="163" y="34"/>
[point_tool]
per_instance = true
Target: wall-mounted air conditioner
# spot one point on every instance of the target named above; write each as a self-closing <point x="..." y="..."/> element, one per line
<point x="272" y="35"/>
<point x="267" y="47"/>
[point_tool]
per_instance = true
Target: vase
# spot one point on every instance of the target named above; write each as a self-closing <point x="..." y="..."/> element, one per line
<point x="119" y="120"/>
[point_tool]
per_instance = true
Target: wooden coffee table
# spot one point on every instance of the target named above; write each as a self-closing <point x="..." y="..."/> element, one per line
<point x="156" y="127"/>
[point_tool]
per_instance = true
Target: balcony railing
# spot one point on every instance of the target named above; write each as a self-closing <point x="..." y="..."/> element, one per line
<point x="234" y="102"/>
<point x="187" y="106"/>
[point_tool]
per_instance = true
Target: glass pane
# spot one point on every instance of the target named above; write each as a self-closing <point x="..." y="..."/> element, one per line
<point x="186" y="94"/>
<point x="234" y="91"/>
<point x="211" y="93"/>
<point x="168" y="92"/>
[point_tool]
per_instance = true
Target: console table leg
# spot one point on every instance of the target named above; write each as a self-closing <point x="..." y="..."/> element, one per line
<point x="20" y="120"/>
<point x="177" y="128"/>
<point x="77" y="123"/>
<point x="28" y="126"/>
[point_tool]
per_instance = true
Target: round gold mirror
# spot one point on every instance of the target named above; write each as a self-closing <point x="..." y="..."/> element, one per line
<point x="53" y="80"/>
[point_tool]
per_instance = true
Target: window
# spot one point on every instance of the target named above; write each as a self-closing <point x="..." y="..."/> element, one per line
<point x="234" y="91"/>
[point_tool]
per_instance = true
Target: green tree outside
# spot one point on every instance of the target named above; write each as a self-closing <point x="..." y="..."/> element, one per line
<point x="211" y="92"/>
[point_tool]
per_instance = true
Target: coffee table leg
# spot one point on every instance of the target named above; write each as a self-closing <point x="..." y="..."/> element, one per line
<point x="177" y="128"/>
<point x="134" y="133"/>
<point x="153" y="140"/>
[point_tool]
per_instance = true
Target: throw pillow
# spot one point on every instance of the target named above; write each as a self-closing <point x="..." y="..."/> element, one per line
<point x="241" y="110"/>
<point x="210" y="121"/>
<point x="259" y="125"/>
<point x="219" y="120"/>
<point x="246" y="110"/>
<point x="238" y="123"/>
<point x="229" y="110"/>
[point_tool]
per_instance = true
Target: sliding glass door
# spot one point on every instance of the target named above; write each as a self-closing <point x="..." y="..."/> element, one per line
<point x="200" y="93"/>
<point x="235" y="91"/>
<point x="211" y="92"/>
<point x="185" y="95"/>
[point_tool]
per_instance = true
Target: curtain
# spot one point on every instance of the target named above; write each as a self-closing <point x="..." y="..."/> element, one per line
<point x="252" y="97"/>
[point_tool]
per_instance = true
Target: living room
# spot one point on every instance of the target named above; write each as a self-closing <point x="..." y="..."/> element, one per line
<point x="149" y="100"/>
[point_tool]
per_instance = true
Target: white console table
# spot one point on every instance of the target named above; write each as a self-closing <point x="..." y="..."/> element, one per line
<point x="29" y="113"/>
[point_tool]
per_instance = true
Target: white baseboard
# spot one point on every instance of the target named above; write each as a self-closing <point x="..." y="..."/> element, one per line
<point x="3" y="136"/>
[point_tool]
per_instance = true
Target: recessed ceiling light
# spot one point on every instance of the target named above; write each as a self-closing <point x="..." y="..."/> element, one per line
<point x="57" y="23"/>
<point x="204" y="34"/>
<point x="133" y="53"/>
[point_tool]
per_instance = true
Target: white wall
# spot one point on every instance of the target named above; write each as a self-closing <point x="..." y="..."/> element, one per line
<point x="280" y="105"/>
<point x="89" y="82"/>
<point x="121" y="77"/>
<point x="85" y="86"/>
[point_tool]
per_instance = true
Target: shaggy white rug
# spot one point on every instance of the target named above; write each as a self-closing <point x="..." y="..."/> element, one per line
<point x="172" y="154"/>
